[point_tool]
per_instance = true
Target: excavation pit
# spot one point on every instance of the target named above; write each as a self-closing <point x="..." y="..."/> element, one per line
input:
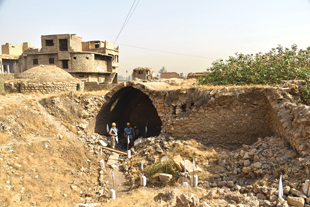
<point x="230" y="116"/>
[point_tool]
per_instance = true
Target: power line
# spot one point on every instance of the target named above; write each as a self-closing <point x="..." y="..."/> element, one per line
<point x="175" y="53"/>
<point x="132" y="13"/>
<point x="127" y="18"/>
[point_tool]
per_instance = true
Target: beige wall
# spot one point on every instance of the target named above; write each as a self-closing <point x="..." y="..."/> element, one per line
<point x="74" y="43"/>
<point x="12" y="49"/>
<point x="92" y="44"/>
<point x="90" y="77"/>
<point x="80" y="63"/>
<point x="142" y="75"/>
<point x="42" y="60"/>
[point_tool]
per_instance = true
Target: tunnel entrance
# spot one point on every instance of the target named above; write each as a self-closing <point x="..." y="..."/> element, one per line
<point x="129" y="105"/>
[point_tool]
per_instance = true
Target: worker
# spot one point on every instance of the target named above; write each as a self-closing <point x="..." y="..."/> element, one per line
<point x="114" y="135"/>
<point x="137" y="132"/>
<point x="129" y="132"/>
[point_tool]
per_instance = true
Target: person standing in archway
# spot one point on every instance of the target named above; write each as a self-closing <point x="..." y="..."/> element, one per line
<point x="114" y="135"/>
<point x="129" y="132"/>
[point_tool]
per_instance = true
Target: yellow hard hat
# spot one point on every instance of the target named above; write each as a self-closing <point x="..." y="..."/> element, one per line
<point x="128" y="123"/>
<point x="113" y="124"/>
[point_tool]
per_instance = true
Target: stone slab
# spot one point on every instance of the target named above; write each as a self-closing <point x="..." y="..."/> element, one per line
<point x="189" y="166"/>
<point x="103" y="143"/>
<point x="177" y="161"/>
<point x="165" y="177"/>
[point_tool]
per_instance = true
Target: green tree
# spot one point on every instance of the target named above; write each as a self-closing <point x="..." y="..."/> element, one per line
<point x="270" y="68"/>
<point x="162" y="70"/>
<point x="181" y="74"/>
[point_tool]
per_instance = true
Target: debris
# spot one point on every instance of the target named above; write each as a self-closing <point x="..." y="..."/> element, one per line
<point x="177" y="161"/>
<point x="306" y="188"/>
<point x="164" y="177"/>
<point x="296" y="201"/>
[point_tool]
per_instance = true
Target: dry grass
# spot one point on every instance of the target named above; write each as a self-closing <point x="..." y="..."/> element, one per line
<point x="25" y="117"/>
<point x="45" y="172"/>
<point x="4" y="138"/>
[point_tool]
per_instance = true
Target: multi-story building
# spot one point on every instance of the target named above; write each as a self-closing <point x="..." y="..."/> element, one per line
<point x="11" y="56"/>
<point x="93" y="61"/>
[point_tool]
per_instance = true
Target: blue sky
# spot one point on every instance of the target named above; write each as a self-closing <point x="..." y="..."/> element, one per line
<point x="205" y="28"/>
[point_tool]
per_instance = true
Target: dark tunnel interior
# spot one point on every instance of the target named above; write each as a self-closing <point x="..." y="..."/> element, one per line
<point x="129" y="105"/>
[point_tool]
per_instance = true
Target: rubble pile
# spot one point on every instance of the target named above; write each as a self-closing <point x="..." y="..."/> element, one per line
<point x="176" y="198"/>
<point x="248" y="176"/>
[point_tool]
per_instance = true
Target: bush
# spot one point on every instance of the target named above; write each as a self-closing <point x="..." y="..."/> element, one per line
<point x="267" y="69"/>
<point x="164" y="167"/>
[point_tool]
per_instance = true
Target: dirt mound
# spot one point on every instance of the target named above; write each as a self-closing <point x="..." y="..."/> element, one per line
<point x="45" y="73"/>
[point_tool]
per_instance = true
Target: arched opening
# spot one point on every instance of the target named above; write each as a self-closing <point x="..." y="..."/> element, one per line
<point x="129" y="105"/>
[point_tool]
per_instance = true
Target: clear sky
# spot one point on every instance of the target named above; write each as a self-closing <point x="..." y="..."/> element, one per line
<point x="210" y="29"/>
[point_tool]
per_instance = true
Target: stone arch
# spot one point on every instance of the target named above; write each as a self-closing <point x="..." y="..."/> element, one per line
<point x="129" y="103"/>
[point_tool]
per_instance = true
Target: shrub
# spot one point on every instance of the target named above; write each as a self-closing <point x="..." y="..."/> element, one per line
<point x="267" y="69"/>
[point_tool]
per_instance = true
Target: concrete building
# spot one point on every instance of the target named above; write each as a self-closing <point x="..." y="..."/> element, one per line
<point x="93" y="61"/>
<point x="10" y="59"/>
<point x="143" y="73"/>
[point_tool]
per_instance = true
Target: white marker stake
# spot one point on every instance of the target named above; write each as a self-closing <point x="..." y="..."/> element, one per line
<point x="194" y="180"/>
<point x="128" y="151"/>
<point x="185" y="183"/>
<point x="142" y="178"/>
<point x="112" y="192"/>
<point x="280" y="190"/>
<point x="102" y="165"/>
<point x="113" y="195"/>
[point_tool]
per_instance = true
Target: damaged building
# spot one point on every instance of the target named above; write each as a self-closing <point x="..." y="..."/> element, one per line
<point x="11" y="57"/>
<point x="143" y="73"/>
<point x="92" y="62"/>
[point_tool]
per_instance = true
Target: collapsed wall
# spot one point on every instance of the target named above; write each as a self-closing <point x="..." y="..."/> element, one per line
<point x="221" y="115"/>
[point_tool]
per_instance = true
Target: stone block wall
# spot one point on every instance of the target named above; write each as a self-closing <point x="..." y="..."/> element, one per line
<point x="94" y="86"/>
<point x="42" y="87"/>
<point x="235" y="115"/>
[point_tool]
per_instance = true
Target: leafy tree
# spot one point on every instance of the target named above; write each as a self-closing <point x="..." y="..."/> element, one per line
<point x="162" y="70"/>
<point x="182" y="74"/>
<point x="270" y="68"/>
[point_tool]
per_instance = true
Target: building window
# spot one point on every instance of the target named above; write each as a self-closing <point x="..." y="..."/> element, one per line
<point x="49" y="43"/>
<point x="65" y="64"/>
<point x="96" y="44"/>
<point x="35" y="61"/>
<point x="51" y="60"/>
<point x="63" y="45"/>
<point x="81" y="76"/>
<point x="87" y="58"/>
<point x="116" y="57"/>
<point x="74" y="58"/>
